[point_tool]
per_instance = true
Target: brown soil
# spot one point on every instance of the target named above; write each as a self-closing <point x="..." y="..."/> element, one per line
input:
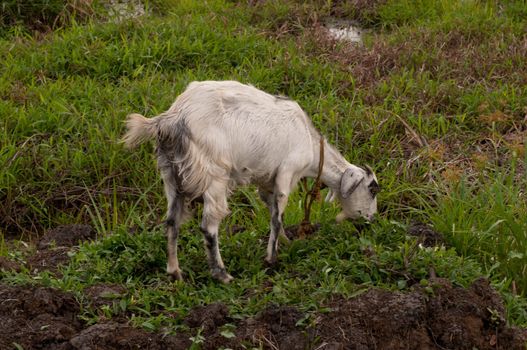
<point x="114" y="335"/>
<point x="36" y="318"/>
<point x="8" y="265"/>
<point x="208" y="317"/>
<point x="445" y="317"/>
<point x="301" y="230"/>
<point x="52" y="249"/>
<point x="45" y="318"/>
<point x="426" y="235"/>
<point x="104" y="294"/>
<point x="440" y="316"/>
<point x="48" y="259"/>
<point x="67" y="236"/>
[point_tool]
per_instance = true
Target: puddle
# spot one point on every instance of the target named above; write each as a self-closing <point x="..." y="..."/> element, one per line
<point x="345" y="31"/>
<point x="120" y="10"/>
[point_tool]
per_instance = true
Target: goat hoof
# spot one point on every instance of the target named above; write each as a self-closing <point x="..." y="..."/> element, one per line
<point x="226" y="279"/>
<point x="271" y="267"/>
<point x="271" y="262"/>
<point x="175" y="276"/>
<point x="222" y="276"/>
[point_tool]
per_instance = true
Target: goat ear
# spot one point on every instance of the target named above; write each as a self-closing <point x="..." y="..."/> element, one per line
<point x="369" y="170"/>
<point x="349" y="182"/>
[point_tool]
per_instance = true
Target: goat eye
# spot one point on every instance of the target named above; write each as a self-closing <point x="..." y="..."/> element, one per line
<point x="374" y="188"/>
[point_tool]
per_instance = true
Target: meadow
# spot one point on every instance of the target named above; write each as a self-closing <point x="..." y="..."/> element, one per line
<point x="434" y="99"/>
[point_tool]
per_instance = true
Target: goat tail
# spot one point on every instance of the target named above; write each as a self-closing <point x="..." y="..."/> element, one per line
<point x="139" y="130"/>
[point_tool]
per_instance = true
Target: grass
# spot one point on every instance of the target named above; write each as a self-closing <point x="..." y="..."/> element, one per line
<point x="434" y="100"/>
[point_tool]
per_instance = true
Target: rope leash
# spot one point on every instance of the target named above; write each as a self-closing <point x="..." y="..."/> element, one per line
<point x="305" y="225"/>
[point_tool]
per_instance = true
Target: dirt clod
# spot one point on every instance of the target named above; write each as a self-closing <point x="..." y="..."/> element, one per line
<point x="103" y="294"/>
<point x="67" y="236"/>
<point x="37" y="318"/>
<point x="113" y="335"/>
<point x="8" y="265"/>
<point x="301" y="231"/>
<point x="48" y="259"/>
<point x="208" y="317"/>
<point x="46" y="318"/>
<point x="277" y="326"/>
<point x="451" y="318"/>
<point x="55" y="244"/>
<point x="426" y="235"/>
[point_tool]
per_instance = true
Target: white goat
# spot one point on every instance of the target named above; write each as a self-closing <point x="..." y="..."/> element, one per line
<point x="219" y="135"/>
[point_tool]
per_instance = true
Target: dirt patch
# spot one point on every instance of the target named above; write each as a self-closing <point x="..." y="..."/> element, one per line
<point x="377" y="319"/>
<point x="302" y="230"/>
<point x="52" y="249"/>
<point x="444" y="317"/>
<point x="67" y="236"/>
<point x="274" y="328"/>
<point x="438" y="316"/>
<point x="48" y="259"/>
<point x="45" y="318"/>
<point x="208" y="317"/>
<point x="114" y="335"/>
<point x="36" y="317"/>
<point x="426" y="235"/>
<point x="55" y="245"/>
<point x="104" y="294"/>
<point x="8" y="265"/>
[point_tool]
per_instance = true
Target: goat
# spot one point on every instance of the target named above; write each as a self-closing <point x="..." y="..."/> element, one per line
<point x="218" y="135"/>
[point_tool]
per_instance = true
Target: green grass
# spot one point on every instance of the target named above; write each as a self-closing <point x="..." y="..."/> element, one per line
<point x="487" y="221"/>
<point x="451" y="74"/>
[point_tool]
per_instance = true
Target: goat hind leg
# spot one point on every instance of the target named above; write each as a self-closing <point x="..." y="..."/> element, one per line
<point x="214" y="210"/>
<point x="177" y="213"/>
<point x="175" y="218"/>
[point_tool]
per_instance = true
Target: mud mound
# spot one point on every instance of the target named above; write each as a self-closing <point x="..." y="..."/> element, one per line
<point x="208" y="317"/>
<point x="113" y="335"/>
<point x="376" y="319"/>
<point x="55" y="244"/>
<point x="276" y="327"/>
<point x="426" y="235"/>
<point x="104" y="294"/>
<point x="439" y="316"/>
<point x="67" y="236"/>
<point x="52" y="249"/>
<point x="36" y="318"/>
<point x="48" y="259"/>
<point x="8" y="265"/>
<point x="444" y="317"/>
<point x="45" y="318"/>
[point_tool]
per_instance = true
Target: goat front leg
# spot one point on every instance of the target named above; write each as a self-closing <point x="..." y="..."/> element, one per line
<point x="214" y="209"/>
<point x="278" y="204"/>
<point x="268" y="198"/>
